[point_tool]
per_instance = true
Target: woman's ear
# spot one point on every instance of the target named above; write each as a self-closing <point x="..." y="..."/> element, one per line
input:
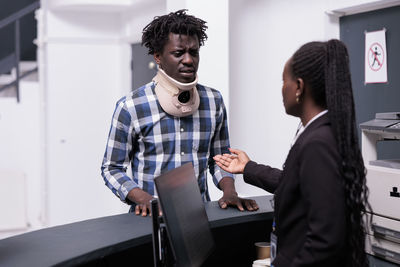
<point x="300" y="86"/>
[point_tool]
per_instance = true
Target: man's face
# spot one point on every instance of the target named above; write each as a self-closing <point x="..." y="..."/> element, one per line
<point x="180" y="57"/>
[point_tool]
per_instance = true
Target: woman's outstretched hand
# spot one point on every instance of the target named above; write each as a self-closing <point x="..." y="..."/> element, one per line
<point x="233" y="163"/>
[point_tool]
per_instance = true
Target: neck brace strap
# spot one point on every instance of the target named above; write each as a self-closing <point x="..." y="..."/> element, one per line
<point x="167" y="91"/>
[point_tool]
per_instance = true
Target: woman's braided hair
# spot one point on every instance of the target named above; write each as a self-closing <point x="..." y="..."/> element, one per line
<point x="324" y="68"/>
<point x="156" y="33"/>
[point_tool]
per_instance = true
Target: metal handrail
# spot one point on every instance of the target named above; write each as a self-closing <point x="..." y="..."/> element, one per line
<point x="19" y="14"/>
<point x="15" y="18"/>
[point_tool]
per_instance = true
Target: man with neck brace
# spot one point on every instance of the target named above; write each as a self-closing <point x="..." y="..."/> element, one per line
<point x="170" y="121"/>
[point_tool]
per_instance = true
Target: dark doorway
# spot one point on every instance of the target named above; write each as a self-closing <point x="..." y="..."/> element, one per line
<point x="144" y="67"/>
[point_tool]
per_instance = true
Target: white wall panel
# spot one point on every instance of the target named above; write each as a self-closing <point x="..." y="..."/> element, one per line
<point x="13" y="200"/>
<point x="80" y="102"/>
<point x="20" y="159"/>
<point x="263" y="36"/>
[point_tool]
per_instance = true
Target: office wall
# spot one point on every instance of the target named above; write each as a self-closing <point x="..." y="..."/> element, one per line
<point x="376" y="97"/>
<point x="263" y="35"/>
<point x="83" y="70"/>
<point x="20" y="157"/>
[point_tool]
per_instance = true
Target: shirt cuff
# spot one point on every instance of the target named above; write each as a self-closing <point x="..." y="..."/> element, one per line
<point x="124" y="190"/>
<point x="219" y="174"/>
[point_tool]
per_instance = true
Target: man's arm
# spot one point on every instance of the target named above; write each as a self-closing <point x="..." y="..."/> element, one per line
<point x="224" y="180"/>
<point x="117" y="158"/>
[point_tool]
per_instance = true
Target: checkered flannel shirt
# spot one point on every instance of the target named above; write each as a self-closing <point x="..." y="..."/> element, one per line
<point x="153" y="142"/>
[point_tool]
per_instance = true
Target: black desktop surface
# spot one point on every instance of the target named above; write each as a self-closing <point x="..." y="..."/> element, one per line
<point x="85" y="242"/>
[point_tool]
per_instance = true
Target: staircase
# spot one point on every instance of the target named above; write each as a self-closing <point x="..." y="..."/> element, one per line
<point x="11" y="69"/>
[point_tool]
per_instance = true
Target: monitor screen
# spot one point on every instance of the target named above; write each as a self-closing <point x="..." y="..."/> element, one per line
<point x="185" y="216"/>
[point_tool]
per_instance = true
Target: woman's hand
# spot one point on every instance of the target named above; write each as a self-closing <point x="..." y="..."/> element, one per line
<point x="233" y="163"/>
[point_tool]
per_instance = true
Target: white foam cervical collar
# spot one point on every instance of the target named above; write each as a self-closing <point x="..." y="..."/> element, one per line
<point x="167" y="91"/>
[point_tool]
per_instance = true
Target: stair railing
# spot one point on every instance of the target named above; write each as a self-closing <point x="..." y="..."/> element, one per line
<point x="15" y="18"/>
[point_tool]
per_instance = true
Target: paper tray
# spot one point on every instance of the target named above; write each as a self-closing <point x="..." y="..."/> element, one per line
<point x="388" y="163"/>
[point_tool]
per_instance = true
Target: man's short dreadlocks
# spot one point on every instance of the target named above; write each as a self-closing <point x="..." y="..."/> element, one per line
<point x="155" y="34"/>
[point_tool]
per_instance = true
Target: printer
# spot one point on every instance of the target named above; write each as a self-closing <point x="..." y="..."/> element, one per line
<point x="383" y="181"/>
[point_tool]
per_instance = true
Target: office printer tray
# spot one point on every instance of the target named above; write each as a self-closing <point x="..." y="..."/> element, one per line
<point x="378" y="124"/>
<point x="388" y="163"/>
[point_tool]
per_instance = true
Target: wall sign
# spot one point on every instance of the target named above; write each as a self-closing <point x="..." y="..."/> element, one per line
<point x="375" y="57"/>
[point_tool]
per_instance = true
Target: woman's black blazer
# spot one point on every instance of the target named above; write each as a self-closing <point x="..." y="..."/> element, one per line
<point x="309" y="207"/>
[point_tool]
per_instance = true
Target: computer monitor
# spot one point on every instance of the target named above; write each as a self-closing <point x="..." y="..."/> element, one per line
<point x="184" y="215"/>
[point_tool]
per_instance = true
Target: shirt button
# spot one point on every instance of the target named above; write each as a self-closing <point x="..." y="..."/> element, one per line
<point x="182" y="129"/>
<point x="182" y="153"/>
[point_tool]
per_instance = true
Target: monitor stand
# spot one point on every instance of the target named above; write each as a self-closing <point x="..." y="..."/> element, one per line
<point x="162" y="252"/>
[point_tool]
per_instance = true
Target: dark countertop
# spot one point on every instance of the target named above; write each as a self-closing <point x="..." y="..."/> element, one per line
<point x="81" y="242"/>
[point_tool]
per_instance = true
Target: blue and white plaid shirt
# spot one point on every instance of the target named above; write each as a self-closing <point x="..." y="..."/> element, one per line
<point x="154" y="142"/>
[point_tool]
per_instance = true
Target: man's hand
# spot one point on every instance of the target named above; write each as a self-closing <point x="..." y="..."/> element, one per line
<point x="230" y="197"/>
<point x="142" y="200"/>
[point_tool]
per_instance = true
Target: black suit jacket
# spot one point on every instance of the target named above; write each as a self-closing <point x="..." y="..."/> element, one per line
<point x="310" y="211"/>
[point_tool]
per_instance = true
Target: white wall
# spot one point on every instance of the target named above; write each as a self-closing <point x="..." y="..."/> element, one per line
<point x="263" y="35"/>
<point x="20" y="156"/>
<point x="85" y="74"/>
<point x="135" y="20"/>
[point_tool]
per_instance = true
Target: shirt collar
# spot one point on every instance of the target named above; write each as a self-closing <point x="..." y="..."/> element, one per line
<point x="301" y="128"/>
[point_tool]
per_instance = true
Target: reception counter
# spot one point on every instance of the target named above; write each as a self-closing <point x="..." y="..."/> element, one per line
<point x="126" y="238"/>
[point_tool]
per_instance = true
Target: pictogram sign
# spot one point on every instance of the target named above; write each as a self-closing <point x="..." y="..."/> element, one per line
<point x="375" y="57"/>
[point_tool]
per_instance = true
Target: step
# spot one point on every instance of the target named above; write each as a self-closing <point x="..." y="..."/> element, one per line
<point x="25" y="66"/>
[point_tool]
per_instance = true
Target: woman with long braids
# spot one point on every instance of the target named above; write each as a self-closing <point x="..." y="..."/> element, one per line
<point x="321" y="193"/>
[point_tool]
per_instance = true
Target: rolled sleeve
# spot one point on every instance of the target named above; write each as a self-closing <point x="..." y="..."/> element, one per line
<point x="219" y="174"/>
<point x="125" y="188"/>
